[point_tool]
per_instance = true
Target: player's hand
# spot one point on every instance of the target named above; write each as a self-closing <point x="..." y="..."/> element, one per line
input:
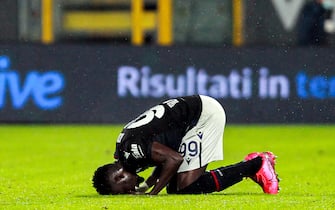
<point x="142" y="187"/>
<point x="137" y="193"/>
<point x="139" y="180"/>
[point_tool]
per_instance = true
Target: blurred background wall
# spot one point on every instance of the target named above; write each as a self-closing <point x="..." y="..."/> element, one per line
<point x="93" y="61"/>
<point x="185" y="22"/>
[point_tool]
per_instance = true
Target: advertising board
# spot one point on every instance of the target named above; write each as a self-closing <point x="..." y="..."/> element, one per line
<point x="105" y="84"/>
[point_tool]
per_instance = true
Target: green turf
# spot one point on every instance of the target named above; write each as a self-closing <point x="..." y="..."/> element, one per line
<point x="50" y="167"/>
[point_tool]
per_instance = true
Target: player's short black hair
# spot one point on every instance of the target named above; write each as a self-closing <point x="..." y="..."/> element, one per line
<point x="102" y="178"/>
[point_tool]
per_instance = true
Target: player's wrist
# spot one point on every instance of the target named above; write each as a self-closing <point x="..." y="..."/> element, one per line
<point x="142" y="187"/>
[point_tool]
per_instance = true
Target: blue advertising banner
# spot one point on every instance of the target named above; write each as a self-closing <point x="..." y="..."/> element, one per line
<point x="106" y="84"/>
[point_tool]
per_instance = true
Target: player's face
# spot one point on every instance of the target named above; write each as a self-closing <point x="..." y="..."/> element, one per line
<point x="125" y="182"/>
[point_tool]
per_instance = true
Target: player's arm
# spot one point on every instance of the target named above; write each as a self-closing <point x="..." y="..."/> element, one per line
<point x="169" y="161"/>
<point x="151" y="180"/>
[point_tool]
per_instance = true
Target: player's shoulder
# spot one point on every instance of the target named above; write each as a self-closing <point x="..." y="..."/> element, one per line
<point x="192" y="99"/>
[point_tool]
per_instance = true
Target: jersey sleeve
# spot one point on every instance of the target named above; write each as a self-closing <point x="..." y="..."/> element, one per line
<point x="134" y="155"/>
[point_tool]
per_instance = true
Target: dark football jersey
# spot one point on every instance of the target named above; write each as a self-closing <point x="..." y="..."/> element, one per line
<point x="166" y="123"/>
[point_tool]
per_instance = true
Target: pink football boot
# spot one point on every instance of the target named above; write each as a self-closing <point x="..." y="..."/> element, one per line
<point x="266" y="177"/>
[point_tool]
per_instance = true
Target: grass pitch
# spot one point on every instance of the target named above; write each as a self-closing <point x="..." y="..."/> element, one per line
<point x="50" y="167"/>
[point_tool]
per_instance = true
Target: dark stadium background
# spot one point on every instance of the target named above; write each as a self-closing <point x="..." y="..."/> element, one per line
<point x="243" y="53"/>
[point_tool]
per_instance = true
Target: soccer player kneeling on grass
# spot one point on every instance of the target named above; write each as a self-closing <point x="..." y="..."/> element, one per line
<point x="179" y="137"/>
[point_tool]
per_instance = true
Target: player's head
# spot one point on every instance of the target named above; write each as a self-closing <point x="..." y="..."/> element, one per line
<point x="113" y="179"/>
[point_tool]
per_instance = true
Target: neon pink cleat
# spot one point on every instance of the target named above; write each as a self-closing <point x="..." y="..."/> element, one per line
<point x="266" y="177"/>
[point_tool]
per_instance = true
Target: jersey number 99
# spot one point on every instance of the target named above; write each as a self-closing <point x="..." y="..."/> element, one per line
<point x="190" y="148"/>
